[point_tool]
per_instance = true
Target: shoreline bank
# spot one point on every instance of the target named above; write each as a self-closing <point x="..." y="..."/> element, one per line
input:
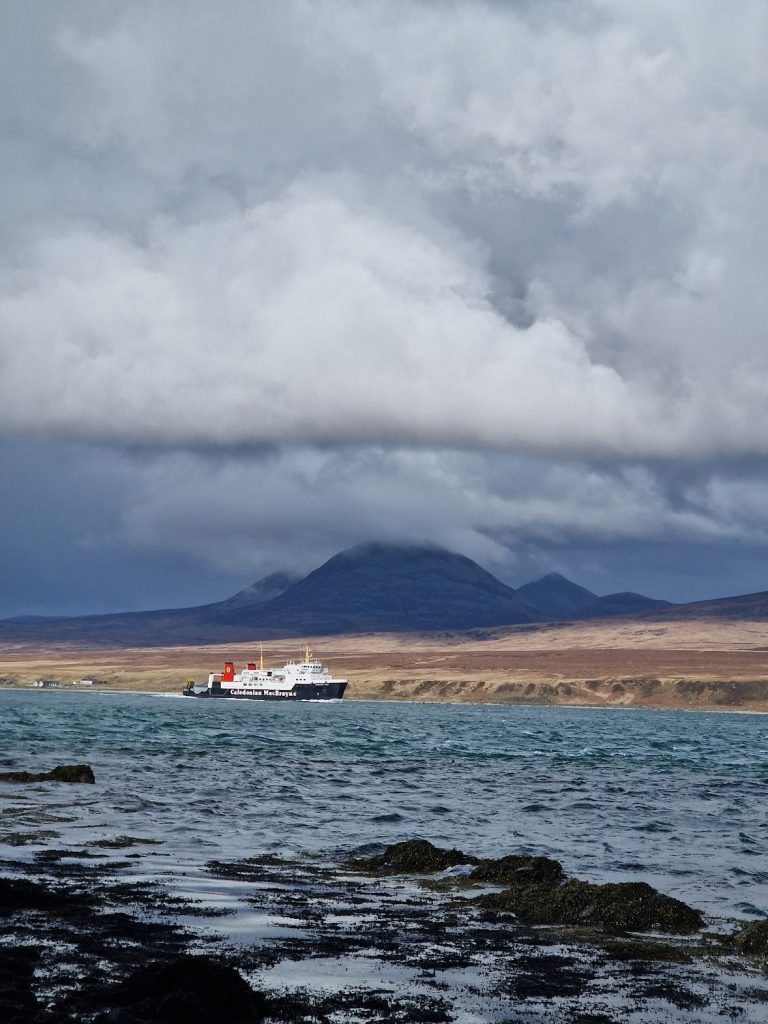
<point x="651" y="694"/>
<point x="687" y="666"/>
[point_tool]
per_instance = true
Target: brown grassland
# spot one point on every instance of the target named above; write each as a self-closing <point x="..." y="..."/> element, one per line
<point x="708" y="664"/>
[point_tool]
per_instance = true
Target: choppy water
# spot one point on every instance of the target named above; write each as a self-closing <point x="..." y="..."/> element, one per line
<point x="677" y="799"/>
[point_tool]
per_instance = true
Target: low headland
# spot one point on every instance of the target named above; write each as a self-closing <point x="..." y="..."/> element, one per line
<point x="711" y="664"/>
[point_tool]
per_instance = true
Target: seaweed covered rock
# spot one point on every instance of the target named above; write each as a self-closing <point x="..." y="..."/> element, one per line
<point x="617" y="906"/>
<point x="536" y="890"/>
<point x="753" y="939"/>
<point x="61" y="773"/>
<point x="514" y="870"/>
<point x="414" y="856"/>
<point x="190" y="990"/>
<point x="631" y="950"/>
<point x="72" y="773"/>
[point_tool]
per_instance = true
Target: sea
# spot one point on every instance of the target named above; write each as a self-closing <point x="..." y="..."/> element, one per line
<point x="673" y="798"/>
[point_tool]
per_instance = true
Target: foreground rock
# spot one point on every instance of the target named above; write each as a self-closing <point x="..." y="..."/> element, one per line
<point x="414" y="856"/>
<point x="190" y="990"/>
<point x="62" y="773"/>
<point x="518" y="870"/>
<point x="20" y="894"/>
<point x="18" y="1002"/>
<point x="618" y="906"/>
<point x="537" y="892"/>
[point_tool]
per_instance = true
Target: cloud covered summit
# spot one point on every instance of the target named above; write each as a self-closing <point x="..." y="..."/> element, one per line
<point x="500" y="264"/>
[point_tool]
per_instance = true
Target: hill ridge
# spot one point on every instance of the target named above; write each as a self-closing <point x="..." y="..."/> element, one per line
<point x="372" y="587"/>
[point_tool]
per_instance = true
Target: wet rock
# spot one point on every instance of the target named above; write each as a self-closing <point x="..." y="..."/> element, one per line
<point x="264" y="868"/>
<point x="516" y="870"/>
<point x="72" y="773"/>
<point x="617" y="906"/>
<point x="547" y="976"/>
<point x="61" y="773"/>
<point x="190" y="990"/>
<point x="123" y="842"/>
<point x="53" y="856"/>
<point x="753" y="939"/>
<point x="634" y="950"/>
<point x="18" y="1002"/>
<point x="26" y="838"/>
<point x="414" y="856"/>
<point x="20" y="894"/>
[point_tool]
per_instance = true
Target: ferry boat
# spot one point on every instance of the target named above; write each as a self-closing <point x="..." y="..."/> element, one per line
<point x="296" y="680"/>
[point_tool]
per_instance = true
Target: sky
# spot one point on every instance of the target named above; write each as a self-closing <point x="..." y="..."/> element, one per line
<point x="276" y="279"/>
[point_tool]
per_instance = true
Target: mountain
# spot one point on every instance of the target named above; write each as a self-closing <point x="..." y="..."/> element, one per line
<point x="376" y="587"/>
<point x="34" y="618"/>
<point x="261" y="591"/>
<point x="208" y="623"/>
<point x="625" y="603"/>
<point x="370" y="588"/>
<point x="373" y="587"/>
<point x="554" y="596"/>
<point x="745" y="606"/>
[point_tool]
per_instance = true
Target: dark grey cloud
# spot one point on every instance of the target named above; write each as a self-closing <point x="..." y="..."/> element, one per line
<point x="487" y="271"/>
<point x="59" y="552"/>
<point x="89" y="529"/>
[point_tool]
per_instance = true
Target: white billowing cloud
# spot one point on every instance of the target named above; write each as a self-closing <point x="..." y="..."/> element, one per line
<point x="399" y="227"/>
<point x="610" y="98"/>
<point x="308" y="318"/>
<point x="316" y="317"/>
<point x="295" y="507"/>
<point x="283" y="255"/>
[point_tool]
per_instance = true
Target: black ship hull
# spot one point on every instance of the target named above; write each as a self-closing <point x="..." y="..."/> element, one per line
<point x="301" y="691"/>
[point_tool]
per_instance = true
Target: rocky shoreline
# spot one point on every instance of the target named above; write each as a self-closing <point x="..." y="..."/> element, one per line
<point x="406" y="933"/>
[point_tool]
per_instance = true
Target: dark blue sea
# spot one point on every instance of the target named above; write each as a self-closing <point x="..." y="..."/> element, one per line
<point x="677" y="799"/>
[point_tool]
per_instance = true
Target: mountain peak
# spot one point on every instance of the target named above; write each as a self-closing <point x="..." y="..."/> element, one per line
<point x="261" y="591"/>
<point x="375" y="549"/>
<point x="555" y="595"/>
<point x="624" y="603"/>
<point x="373" y="587"/>
<point x="383" y="586"/>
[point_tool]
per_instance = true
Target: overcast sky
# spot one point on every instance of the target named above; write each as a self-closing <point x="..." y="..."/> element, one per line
<point x="276" y="278"/>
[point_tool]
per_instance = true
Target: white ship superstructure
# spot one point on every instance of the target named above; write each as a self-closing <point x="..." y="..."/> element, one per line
<point x="302" y="680"/>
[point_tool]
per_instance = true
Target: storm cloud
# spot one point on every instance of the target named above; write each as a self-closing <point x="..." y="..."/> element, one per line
<point x="489" y="273"/>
